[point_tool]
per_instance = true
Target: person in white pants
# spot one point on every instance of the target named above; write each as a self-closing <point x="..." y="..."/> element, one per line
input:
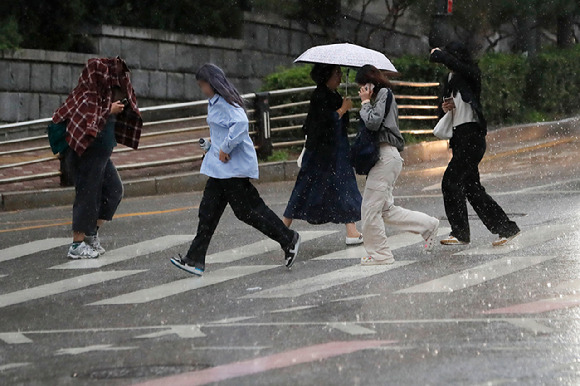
<point x="380" y="114"/>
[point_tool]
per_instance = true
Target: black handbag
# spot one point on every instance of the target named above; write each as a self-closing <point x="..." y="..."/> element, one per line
<point x="365" y="151"/>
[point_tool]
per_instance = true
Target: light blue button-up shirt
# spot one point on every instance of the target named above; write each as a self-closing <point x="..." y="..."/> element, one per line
<point x="229" y="131"/>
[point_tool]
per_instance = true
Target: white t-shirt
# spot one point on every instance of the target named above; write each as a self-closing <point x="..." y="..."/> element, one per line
<point x="463" y="112"/>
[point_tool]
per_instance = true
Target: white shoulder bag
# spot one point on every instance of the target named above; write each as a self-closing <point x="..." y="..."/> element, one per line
<point x="299" y="160"/>
<point x="444" y="128"/>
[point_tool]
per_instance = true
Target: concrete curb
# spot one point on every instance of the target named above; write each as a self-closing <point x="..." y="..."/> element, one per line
<point x="287" y="170"/>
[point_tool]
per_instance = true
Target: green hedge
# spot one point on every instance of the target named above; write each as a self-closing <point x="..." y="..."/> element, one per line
<point x="515" y="89"/>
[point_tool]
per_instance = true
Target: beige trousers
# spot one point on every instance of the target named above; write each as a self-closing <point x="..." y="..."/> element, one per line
<point x="378" y="207"/>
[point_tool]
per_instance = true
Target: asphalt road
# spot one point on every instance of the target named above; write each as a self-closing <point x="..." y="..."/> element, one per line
<point x="461" y="315"/>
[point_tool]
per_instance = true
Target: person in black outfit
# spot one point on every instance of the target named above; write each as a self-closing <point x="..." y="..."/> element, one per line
<point x="461" y="181"/>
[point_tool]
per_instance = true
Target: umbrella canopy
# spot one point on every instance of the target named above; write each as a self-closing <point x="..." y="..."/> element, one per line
<point x="347" y="55"/>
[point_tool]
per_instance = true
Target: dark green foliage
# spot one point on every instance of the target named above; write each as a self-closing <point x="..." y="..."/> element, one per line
<point x="57" y="24"/>
<point x="514" y="89"/>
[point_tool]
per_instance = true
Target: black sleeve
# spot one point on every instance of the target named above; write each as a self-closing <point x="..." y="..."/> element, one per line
<point x="468" y="71"/>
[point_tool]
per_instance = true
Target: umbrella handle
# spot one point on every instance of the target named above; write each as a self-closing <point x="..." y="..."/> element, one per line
<point x="347" y="79"/>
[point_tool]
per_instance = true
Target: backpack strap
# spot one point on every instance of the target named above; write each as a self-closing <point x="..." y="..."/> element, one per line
<point x="388" y="104"/>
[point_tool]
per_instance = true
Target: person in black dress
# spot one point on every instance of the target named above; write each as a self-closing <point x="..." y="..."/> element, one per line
<point x="326" y="190"/>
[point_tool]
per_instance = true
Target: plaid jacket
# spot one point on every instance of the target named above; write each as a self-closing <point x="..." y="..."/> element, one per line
<point x="88" y="106"/>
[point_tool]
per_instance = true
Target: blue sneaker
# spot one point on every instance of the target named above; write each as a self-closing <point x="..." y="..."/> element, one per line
<point x="179" y="263"/>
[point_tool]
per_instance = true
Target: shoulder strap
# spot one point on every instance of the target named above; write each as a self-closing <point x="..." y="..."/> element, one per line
<point x="388" y="104"/>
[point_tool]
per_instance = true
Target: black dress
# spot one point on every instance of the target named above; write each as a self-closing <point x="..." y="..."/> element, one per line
<point x="326" y="189"/>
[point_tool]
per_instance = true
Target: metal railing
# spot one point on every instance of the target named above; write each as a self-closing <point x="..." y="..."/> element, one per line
<point x="275" y="120"/>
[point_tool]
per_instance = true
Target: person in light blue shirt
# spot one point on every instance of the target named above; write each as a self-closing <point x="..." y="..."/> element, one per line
<point x="229" y="163"/>
<point x="229" y="135"/>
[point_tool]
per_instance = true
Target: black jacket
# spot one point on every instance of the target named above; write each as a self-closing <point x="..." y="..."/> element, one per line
<point x="322" y="120"/>
<point x="466" y="79"/>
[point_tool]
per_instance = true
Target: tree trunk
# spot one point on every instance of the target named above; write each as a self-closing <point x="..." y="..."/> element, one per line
<point x="565" y="32"/>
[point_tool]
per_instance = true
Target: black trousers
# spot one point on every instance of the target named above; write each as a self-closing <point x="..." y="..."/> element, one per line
<point x="98" y="187"/>
<point x="248" y="207"/>
<point x="461" y="183"/>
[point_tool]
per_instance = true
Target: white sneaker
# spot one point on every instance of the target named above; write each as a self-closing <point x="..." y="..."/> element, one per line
<point x="430" y="242"/>
<point x="95" y="242"/>
<point x="452" y="240"/>
<point x="354" y="240"/>
<point x="369" y="260"/>
<point x="504" y="240"/>
<point x="82" y="251"/>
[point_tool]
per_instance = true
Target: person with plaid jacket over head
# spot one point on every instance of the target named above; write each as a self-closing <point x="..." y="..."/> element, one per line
<point x="99" y="113"/>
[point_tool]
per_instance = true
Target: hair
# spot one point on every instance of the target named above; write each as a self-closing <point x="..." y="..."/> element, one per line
<point x="321" y="73"/>
<point x="460" y="51"/>
<point x="215" y="76"/>
<point x="370" y="74"/>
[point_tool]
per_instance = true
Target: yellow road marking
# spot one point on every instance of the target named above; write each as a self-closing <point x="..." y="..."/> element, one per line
<point x="124" y="215"/>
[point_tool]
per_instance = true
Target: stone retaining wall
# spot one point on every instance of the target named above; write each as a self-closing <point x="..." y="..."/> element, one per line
<point x="34" y="82"/>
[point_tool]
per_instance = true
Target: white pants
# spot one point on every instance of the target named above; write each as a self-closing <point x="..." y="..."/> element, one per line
<point x="378" y="207"/>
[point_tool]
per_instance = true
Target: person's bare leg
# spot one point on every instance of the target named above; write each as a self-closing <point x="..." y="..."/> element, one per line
<point x="78" y="237"/>
<point x="351" y="230"/>
<point x="287" y="221"/>
<point x="100" y="223"/>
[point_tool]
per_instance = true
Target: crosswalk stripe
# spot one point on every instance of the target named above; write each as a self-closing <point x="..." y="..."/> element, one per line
<point x="325" y="281"/>
<point x="10" y="366"/>
<point x="477" y="275"/>
<point x="526" y="239"/>
<point x="14" y="338"/>
<point x="31" y="247"/>
<point x="351" y="328"/>
<point x="62" y="286"/>
<point x="398" y="241"/>
<point x="187" y="332"/>
<point x="128" y="252"/>
<point x="180" y="286"/>
<point x="260" y="247"/>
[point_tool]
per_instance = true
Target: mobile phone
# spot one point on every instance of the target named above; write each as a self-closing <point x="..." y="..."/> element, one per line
<point x="125" y="102"/>
<point x="370" y="86"/>
<point x="447" y="99"/>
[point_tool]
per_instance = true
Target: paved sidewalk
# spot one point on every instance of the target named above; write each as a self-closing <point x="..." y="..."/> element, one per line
<point x="185" y="177"/>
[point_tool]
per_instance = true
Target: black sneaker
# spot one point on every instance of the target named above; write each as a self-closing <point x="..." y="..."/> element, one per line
<point x="292" y="250"/>
<point x="181" y="264"/>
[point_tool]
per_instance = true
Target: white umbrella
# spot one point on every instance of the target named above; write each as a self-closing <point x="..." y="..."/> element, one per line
<point x="347" y="55"/>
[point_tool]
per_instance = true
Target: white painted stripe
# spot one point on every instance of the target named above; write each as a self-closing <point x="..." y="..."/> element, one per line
<point x="14" y="338"/>
<point x="186" y="332"/>
<point x="183" y="285"/>
<point x="260" y="247"/>
<point x="10" y="366"/>
<point x="128" y="252"/>
<point x="227" y="348"/>
<point x="397" y="241"/>
<point x="571" y="285"/>
<point x="98" y="347"/>
<point x="31" y="248"/>
<point x="525" y="239"/>
<point x="352" y="329"/>
<point x="62" y="286"/>
<point x="1" y="276"/>
<point x="477" y="275"/>
<point x="325" y="281"/>
<point x="292" y="309"/>
<point x="532" y="325"/>
<point x="360" y="297"/>
<point x="232" y="320"/>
